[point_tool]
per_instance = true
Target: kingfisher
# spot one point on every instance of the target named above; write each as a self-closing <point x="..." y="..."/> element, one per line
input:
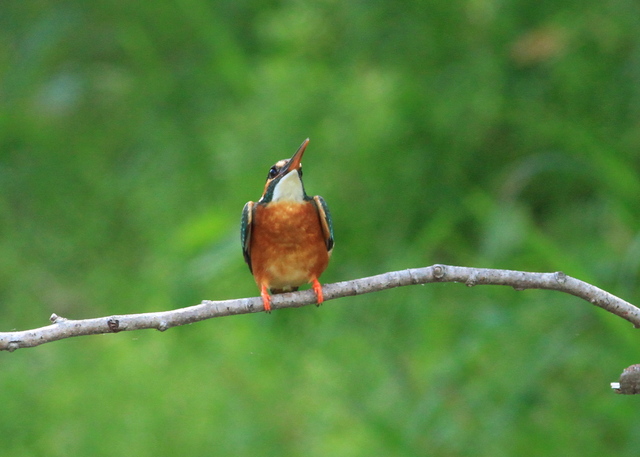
<point x="287" y="236"/>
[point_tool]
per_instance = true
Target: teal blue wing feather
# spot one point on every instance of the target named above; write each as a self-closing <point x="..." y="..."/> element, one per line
<point x="246" y="225"/>
<point x="325" y="221"/>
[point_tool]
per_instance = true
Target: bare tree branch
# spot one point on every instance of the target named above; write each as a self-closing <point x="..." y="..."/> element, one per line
<point x="629" y="383"/>
<point x="520" y="280"/>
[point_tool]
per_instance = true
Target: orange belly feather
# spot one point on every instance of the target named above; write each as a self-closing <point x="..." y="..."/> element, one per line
<point x="287" y="245"/>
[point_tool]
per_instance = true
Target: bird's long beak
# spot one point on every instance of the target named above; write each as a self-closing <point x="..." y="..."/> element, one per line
<point x="294" y="162"/>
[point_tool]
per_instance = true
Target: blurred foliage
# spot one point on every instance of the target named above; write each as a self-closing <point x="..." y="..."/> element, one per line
<point x="475" y="132"/>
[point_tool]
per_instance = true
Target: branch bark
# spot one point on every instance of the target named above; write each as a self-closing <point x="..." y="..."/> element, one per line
<point x="61" y="328"/>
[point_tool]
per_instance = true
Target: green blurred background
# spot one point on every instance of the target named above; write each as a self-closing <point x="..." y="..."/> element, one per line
<point x="477" y="132"/>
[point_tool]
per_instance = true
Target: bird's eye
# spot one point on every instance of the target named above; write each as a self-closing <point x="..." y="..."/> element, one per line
<point x="273" y="172"/>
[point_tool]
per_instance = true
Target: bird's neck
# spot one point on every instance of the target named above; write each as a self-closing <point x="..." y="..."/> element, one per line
<point x="289" y="189"/>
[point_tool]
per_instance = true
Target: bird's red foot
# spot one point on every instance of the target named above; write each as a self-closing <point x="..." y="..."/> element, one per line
<point x="317" y="288"/>
<point x="266" y="299"/>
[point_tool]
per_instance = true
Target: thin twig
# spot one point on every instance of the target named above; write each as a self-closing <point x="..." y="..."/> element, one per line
<point x="520" y="280"/>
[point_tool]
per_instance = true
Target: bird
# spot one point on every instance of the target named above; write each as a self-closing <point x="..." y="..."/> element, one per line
<point x="287" y="236"/>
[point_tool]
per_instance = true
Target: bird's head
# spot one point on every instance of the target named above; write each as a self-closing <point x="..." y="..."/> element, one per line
<point x="284" y="181"/>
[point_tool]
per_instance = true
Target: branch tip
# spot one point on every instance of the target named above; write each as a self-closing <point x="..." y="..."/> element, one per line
<point x="629" y="383"/>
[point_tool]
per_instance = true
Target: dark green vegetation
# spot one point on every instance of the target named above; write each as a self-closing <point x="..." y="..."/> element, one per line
<point x="478" y="133"/>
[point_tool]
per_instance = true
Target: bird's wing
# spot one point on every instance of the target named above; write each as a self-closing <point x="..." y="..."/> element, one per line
<point x="325" y="221"/>
<point x="246" y="225"/>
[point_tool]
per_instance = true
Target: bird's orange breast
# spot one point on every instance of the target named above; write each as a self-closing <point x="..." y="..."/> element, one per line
<point x="288" y="248"/>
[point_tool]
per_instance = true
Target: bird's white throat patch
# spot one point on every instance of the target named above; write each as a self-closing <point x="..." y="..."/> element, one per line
<point x="289" y="188"/>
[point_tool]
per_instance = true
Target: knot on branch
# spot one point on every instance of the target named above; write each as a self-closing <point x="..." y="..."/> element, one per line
<point x="114" y="325"/>
<point x="438" y="271"/>
<point x="55" y="319"/>
<point x="561" y="277"/>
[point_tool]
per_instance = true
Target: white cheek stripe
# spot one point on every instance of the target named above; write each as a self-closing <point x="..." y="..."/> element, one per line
<point x="289" y="188"/>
